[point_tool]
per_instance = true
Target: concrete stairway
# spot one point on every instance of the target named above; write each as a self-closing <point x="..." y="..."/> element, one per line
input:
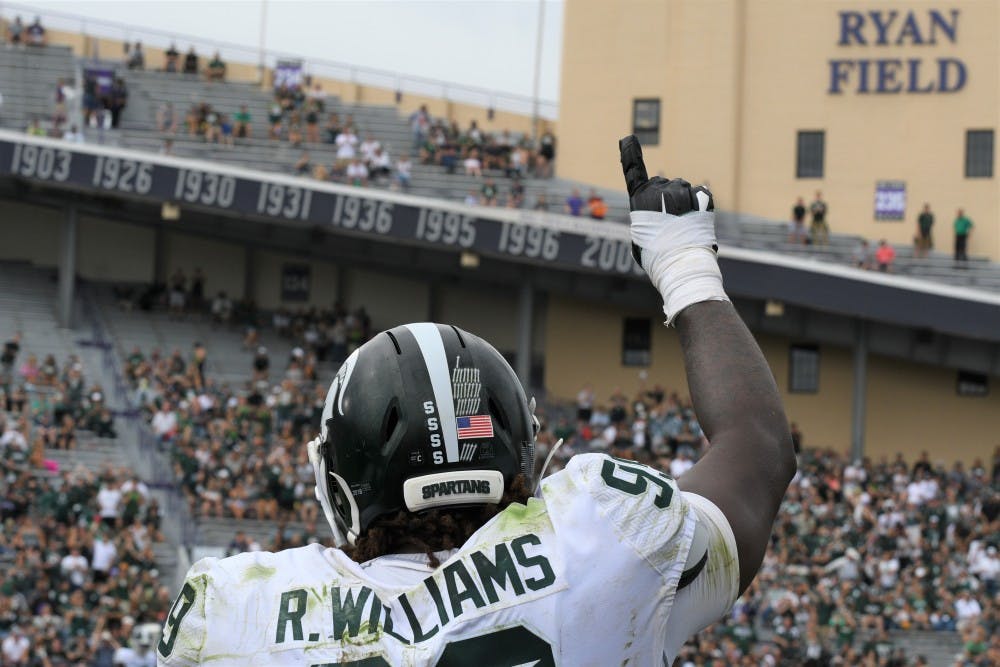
<point x="940" y="648"/>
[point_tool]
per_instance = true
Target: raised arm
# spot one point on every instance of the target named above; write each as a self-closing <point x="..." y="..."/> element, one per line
<point x="751" y="459"/>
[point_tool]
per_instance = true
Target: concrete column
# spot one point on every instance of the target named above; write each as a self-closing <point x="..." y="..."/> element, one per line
<point x="525" y="325"/>
<point x="67" y="269"/>
<point x="859" y="396"/>
<point x="249" y="273"/>
<point x="343" y="285"/>
<point x="160" y="255"/>
<point x="434" y="302"/>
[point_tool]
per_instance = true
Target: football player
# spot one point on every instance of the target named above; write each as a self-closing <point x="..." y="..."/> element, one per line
<point x="452" y="552"/>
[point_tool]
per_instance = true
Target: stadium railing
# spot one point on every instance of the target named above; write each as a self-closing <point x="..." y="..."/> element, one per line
<point x="403" y="83"/>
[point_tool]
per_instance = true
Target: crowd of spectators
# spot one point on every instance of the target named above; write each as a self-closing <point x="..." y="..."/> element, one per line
<point x="236" y="449"/>
<point x="476" y="152"/>
<point x="862" y="550"/>
<point x="80" y="584"/>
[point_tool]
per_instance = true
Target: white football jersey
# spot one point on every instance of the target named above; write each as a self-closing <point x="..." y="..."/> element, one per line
<point x="586" y="575"/>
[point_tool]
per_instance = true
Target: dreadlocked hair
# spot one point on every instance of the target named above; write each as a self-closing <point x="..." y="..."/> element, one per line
<point x="431" y="530"/>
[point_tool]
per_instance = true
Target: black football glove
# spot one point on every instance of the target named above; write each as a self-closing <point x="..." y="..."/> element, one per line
<point x="673" y="234"/>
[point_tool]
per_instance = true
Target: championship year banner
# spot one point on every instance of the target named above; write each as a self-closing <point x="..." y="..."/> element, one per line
<point x="295" y="280"/>
<point x="890" y="200"/>
<point x="522" y="236"/>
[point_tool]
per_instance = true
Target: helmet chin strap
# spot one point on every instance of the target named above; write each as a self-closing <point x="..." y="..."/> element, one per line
<point x="545" y="466"/>
<point x="322" y="495"/>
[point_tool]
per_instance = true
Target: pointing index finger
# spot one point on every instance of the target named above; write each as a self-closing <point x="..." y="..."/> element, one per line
<point x="632" y="165"/>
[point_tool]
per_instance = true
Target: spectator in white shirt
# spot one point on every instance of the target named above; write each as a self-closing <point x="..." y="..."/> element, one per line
<point x="473" y="167"/>
<point x="109" y="500"/>
<point x="381" y="164"/>
<point x="681" y="464"/>
<point x="165" y="422"/>
<point x="404" y="167"/>
<point x="347" y="145"/>
<point x="357" y="173"/>
<point x="140" y="656"/>
<point x="104" y="555"/>
<point x="967" y="610"/>
<point x="888" y="570"/>
<point x="75" y="567"/>
<point x="74" y="135"/>
<point x="13" y="437"/>
<point x="15" y="648"/>
<point x="984" y="564"/>
<point x="136" y="484"/>
<point x="368" y="148"/>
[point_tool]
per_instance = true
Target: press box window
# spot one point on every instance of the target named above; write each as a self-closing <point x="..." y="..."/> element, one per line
<point x="979" y="154"/>
<point x="809" y="154"/>
<point x="972" y="384"/>
<point x="636" y="338"/>
<point x="646" y="121"/>
<point x="803" y="369"/>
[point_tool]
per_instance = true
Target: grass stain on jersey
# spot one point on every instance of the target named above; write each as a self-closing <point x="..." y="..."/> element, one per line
<point x="518" y="519"/>
<point x="257" y="572"/>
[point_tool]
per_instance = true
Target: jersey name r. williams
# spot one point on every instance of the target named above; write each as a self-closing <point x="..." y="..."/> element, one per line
<point x="476" y="581"/>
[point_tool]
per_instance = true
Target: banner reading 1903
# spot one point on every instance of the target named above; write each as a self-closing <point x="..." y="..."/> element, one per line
<point x="520" y="236"/>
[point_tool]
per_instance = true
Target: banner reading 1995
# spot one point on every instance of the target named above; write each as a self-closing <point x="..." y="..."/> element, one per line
<point x="520" y="236"/>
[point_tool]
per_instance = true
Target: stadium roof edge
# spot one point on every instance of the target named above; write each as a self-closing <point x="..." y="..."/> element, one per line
<point x="851" y="273"/>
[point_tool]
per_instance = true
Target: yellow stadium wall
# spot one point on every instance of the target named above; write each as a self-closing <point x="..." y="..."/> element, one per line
<point x="583" y="346"/>
<point x="737" y="79"/>
<point x="106" y="250"/>
<point x="389" y="299"/>
<point x="222" y="263"/>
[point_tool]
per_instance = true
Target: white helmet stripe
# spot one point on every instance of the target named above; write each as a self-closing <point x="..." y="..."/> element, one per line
<point x="436" y="360"/>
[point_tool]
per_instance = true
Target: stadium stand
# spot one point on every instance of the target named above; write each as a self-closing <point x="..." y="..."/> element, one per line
<point x="906" y="538"/>
<point x="81" y="550"/>
<point x="31" y="95"/>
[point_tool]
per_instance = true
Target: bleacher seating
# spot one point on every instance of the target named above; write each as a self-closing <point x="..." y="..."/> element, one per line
<point x="27" y="304"/>
<point x="148" y="90"/>
<point x="28" y="80"/>
<point x="228" y="361"/>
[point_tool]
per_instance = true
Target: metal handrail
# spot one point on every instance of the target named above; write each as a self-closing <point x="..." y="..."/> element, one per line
<point x="355" y="74"/>
<point x="135" y="430"/>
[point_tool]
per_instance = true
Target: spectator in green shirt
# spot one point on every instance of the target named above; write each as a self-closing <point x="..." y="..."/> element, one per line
<point x="241" y="120"/>
<point x="216" y="68"/>
<point x="963" y="227"/>
<point x="924" y="241"/>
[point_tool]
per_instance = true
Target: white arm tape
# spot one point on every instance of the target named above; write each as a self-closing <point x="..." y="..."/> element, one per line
<point x="685" y="277"/>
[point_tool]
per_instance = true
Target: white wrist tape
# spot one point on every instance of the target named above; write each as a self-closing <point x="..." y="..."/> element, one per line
<point x="685" y="277"/>
<point x="678" y="257"/>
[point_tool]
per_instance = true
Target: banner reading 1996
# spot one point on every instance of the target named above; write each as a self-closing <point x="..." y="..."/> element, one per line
<point x="520" y="236"/>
